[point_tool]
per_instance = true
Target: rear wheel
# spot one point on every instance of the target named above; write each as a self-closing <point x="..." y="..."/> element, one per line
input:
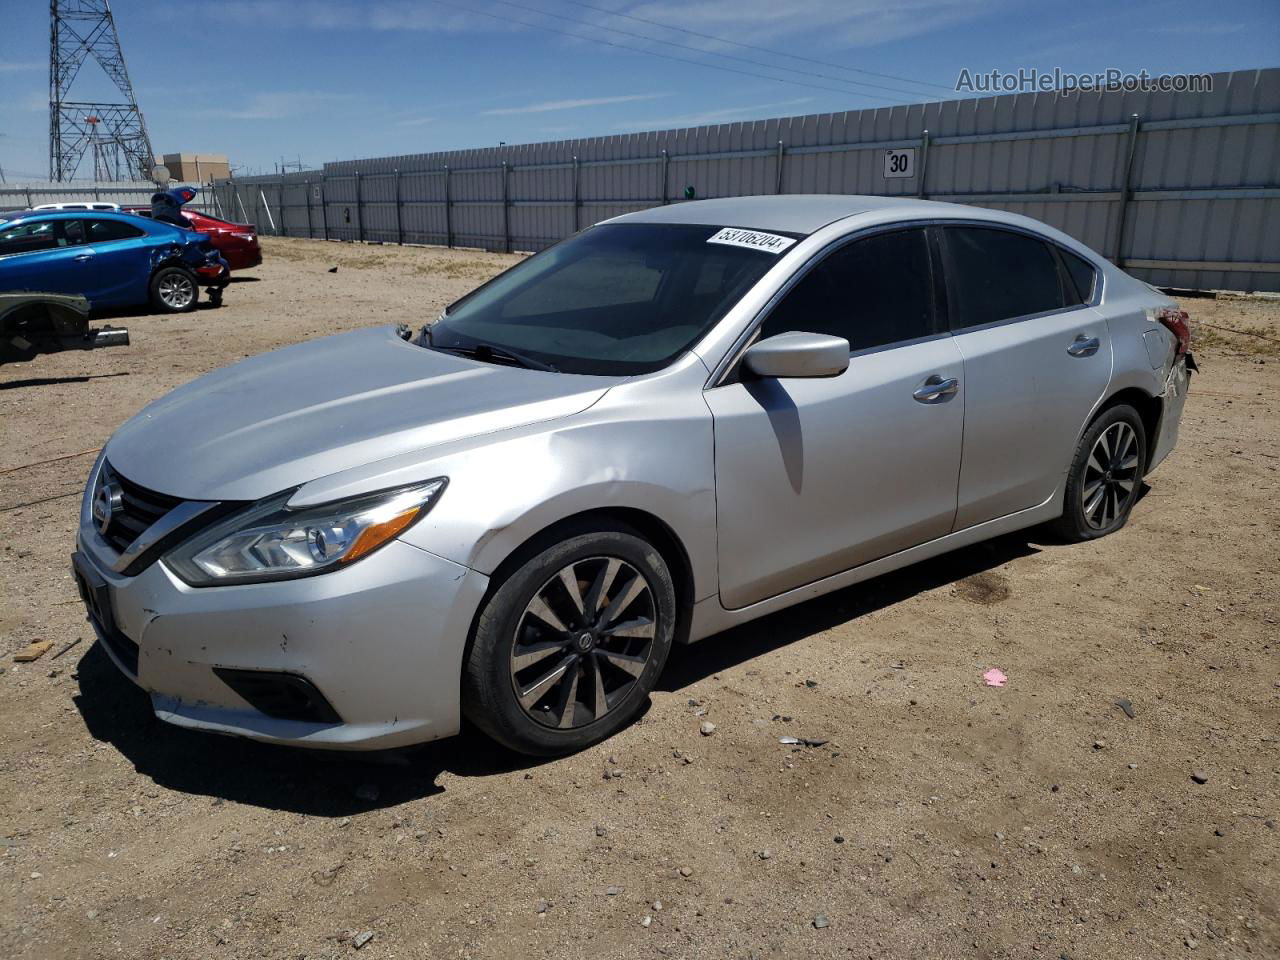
<point x="1105" y="476"/>
<point x="174" y="290"/>
<point x="568" y="648"/>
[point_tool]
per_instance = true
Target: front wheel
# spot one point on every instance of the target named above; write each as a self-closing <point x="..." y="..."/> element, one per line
<point x="174" y="290"/>
<point x="1105" y="476"/>
<point x="568" y="648"/>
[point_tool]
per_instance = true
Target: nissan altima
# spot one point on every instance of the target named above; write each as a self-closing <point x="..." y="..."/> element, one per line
<point x="672" y="422"/>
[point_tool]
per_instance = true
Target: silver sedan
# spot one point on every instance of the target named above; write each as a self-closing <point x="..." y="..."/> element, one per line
<point x="671" y="423"/>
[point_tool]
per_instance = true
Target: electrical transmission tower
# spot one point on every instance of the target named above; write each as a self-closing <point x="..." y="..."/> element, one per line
<point x="113" y="133"/>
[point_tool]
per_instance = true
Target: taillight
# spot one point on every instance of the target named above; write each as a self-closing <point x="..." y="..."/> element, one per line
<point x="244" y="236"/>
<point x="210" y="270"/>
<point x="1177" y="322"/>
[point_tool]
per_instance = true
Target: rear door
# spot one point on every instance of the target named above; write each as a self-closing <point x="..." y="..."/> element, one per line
<point x="816" y="476"/>
<point x="1037" y="358"/>
<point x="118" y="267"/>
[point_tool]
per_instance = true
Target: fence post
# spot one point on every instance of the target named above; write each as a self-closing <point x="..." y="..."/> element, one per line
<point x="359" y="210"/>
<point x="577" y="193"/>
<point x="324" y="207"/>
<point x="28" y="198"/>
<point x="777" y="186"/>
<point x="506" y="210"/>
<point x="924" y="163"/>
<point x="284" y="222"/>
<point x="448" y="210"/>
<point x="1126" y="182"/>
<point x="306" y="185"/>
<point x="399" y="227"/>
<point x="666" y="163"/>
<point x="270" y="219"/>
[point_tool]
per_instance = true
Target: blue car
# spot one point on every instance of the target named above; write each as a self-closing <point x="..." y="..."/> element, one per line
<point x="111" y="259"/>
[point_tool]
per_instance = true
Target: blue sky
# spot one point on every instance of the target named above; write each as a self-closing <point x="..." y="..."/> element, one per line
<point x="337" y="79"/>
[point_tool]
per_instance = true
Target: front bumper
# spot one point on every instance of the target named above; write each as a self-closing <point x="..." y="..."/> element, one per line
<point x="382" y="641"/>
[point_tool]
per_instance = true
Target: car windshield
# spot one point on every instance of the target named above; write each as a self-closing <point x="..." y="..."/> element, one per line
<point x="617" y="299"/>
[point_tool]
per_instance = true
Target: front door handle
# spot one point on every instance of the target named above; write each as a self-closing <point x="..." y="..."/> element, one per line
<point x="1084" y="346"/>
<point x="937" y="389"/>
<point x="81" y="258"/>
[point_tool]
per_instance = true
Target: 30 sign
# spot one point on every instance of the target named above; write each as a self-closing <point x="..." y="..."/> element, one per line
<point x="900" y="164"/>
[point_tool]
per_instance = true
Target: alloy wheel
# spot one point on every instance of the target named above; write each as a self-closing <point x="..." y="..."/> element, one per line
<point x="583" y="641"/>
<point x="177" y="291"/>
<point x="1111" y="475"/>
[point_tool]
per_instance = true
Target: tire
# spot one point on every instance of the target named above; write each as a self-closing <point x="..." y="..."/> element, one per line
<point x="616" y="652"/>
<point x="174" y="290"/>
<point x="1105" y="478"/>
<point x="215" y="296"/>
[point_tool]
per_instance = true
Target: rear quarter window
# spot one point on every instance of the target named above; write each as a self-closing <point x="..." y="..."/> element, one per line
<point x="1081" y="274"/>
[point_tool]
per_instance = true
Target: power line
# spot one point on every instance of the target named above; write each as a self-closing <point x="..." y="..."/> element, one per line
<point x="749" y="46"/>
<point x="654" y="53"/>
<point x="712" y="53"/>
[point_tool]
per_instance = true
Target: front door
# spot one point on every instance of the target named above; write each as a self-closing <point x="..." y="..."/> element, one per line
<point x="40" y="255"/>
<point x="817" y="476"/>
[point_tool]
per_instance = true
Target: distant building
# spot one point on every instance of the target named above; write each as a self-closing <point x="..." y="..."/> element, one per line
<point x="196" y="167"/>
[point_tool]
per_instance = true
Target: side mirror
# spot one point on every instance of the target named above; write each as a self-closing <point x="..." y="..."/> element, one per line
<point x="798" y="355"/>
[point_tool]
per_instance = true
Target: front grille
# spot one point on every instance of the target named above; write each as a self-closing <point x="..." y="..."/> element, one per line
<point x="139" y="509"/>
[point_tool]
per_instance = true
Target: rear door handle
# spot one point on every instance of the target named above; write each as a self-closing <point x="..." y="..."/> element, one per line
<point x="81" y="258"/>
<point x="937" y="389"/>
<point x="1084" y="346"/>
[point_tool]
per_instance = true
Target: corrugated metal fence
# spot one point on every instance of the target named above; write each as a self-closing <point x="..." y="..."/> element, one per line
<point x="1182" y="189"/>
<point x="23" y="196"/>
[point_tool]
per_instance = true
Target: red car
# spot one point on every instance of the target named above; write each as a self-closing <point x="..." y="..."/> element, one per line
<point x="237" y="242"/>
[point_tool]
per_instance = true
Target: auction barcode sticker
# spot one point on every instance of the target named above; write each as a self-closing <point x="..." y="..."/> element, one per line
<point x="752" y="240"/>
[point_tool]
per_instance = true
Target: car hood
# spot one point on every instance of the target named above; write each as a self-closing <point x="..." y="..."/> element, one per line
<point x="284" y="418"/>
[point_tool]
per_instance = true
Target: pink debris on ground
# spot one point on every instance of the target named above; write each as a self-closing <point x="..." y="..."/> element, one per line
<point x="995" y="677"/>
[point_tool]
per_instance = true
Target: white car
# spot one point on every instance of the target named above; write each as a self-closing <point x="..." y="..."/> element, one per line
<point x="80" y="205"/>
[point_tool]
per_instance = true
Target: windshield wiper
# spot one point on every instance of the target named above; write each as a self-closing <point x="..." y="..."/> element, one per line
<point x="488" y="353"/>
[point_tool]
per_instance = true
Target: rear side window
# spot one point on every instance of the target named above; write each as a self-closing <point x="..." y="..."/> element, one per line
<point x="995" y="275"/>
<point x="101" y="231"/>
<point x="872" y="292"/>
<point x="1081" y="275"/>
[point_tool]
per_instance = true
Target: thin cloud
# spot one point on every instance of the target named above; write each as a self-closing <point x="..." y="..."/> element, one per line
<point x="14" y="66"/>
<point x="549" y="105"/>
<point x="724" y="115"/>
<point x="415" y="121"/>
<point x="840" y="23"/>
<point x="283" y="104"/>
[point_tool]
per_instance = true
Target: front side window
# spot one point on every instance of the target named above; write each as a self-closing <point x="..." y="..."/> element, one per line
<point x="872" y="292"/>
<point x="30" y="237"/>
<point x="617" y="299"/>
<point x="102" y="231"/>
<point x="995" y="275"/>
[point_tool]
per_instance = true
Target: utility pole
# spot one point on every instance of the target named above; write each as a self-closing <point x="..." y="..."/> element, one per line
<point x="113" y="133"/>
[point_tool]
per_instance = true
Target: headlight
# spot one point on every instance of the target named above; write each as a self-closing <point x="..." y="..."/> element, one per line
<point x="268" y="541"/>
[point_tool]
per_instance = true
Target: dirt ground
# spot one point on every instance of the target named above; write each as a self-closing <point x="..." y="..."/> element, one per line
<point x="942" y="818"/>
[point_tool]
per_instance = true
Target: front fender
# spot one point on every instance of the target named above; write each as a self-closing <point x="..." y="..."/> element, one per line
<point x="644" y="445"/>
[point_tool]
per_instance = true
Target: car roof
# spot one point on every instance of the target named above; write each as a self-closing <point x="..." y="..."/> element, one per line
<point x="9" y="216"/>
<point x="797" y="213"/>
